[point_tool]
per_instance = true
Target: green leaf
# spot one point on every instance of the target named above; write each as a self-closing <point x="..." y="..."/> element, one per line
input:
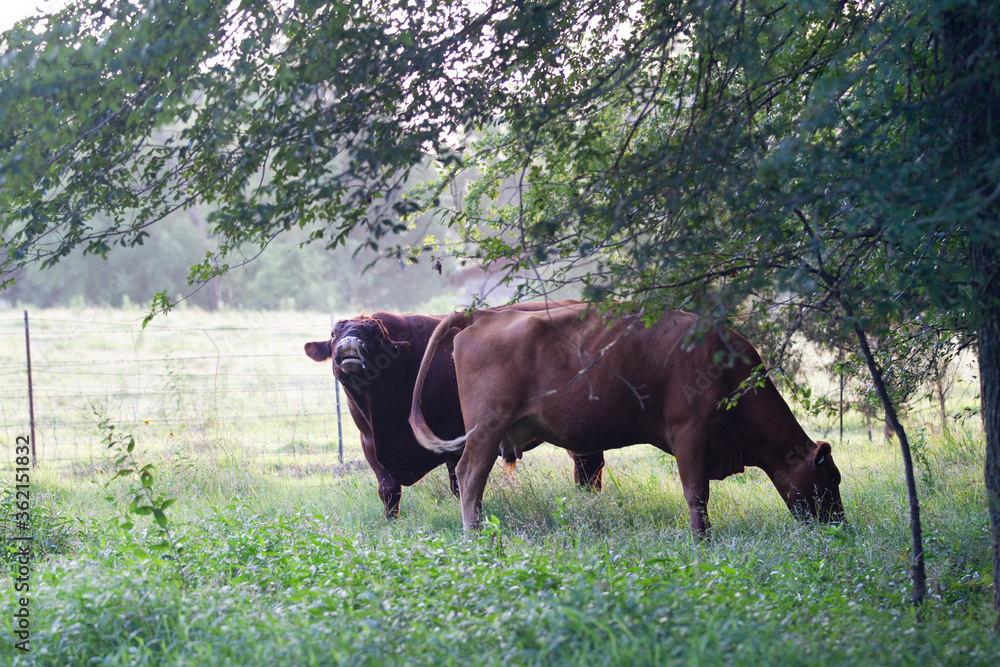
<point x="139" y="553"/>
<point x="160" y="517"/>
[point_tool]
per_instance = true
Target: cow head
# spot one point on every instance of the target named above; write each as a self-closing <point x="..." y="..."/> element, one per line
<point x="813" y="485"/>
<point x="361" y="349"/>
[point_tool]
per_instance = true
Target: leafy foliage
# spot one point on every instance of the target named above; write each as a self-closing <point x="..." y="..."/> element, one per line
<point x="694" y="155"/>
<point x="310" y="115"/>
<point x="792" y="154"/>
<point x="143" y="503"/>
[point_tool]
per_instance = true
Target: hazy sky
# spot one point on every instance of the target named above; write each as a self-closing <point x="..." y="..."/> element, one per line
<point x="14" y="10"/>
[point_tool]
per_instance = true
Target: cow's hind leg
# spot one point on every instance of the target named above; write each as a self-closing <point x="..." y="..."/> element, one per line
<point x="452" y="478"/>
<point x="473" y="470"/>
<point x="588" y="470"/>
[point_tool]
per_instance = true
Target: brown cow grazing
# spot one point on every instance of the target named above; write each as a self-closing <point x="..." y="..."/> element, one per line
<point x="376" y="358"/>
<point x="583" y="381"/>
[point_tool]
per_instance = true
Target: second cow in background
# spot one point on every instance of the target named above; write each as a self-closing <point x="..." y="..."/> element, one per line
<point x="376" y="358"/>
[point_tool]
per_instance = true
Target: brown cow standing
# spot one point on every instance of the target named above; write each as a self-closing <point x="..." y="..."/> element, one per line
<point x="376" y="358"/>
<point x="581" y="381"/>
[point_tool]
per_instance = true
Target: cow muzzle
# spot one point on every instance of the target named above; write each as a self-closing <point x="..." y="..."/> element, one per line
<point x="350" y="356"/>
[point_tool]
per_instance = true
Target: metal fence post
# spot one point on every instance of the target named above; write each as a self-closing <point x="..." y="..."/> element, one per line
<point x="31" y="393"/>
<point x="340" y="432"/>
<point x="336" y="389"/>
<point x="841" y="405"/>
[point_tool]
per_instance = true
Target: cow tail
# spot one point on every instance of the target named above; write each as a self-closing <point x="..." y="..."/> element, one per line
<point x="421" y="430"/>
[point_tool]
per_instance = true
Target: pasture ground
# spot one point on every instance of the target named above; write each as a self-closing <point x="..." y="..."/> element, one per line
<point x="285" y="557"/>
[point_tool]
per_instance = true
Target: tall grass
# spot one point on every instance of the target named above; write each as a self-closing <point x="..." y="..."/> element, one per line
<point x="305" y="570"/>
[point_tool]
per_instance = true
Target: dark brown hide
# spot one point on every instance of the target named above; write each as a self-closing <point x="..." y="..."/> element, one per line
<point x="584" y="382"/>
<point x="376" y="358"/>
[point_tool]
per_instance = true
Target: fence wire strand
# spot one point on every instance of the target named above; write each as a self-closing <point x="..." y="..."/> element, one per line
<point x="249" y="389"/>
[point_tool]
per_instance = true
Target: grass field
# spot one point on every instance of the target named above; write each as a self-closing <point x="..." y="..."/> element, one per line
<point x="284" y="557"/>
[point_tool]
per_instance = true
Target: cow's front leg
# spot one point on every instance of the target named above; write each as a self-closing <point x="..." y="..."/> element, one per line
<point x="389" y="490"/>
<point x="588" y="470"/>
<point x="689" y="448"/>
<point x="695" y="484"/>
<point x="473" y="470"/>
<point x="696" y="495"/>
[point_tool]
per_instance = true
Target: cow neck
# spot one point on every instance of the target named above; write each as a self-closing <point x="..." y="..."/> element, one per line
<point x="386" y="401"/>
<point x="781" y="442"/>
<point x="360" y="399"/>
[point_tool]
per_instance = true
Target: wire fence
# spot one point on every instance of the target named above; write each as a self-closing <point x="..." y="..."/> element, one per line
<point x="246" y="391"/>
<point x="237" y="385"/>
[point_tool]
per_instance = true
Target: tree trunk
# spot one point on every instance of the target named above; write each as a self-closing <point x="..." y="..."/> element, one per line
<point x="970" y="40"/>
<point x="940" y="381"/>
<point x="917" y="572"/>
<point x="989" y="383"/>
<point x="987" y="265"/>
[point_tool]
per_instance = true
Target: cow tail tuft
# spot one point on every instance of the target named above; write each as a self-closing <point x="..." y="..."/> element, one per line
<point x="421" y="430"/>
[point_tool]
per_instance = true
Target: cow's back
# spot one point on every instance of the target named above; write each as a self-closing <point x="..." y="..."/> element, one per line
<point x="563" y="370"/>
<point x="583" y="385"/>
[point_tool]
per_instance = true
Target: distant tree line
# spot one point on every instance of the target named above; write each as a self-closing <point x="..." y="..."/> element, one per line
<point x="287" y="276"/>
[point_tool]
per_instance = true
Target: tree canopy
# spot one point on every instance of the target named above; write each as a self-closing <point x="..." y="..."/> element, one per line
<point x="827" y="162"/>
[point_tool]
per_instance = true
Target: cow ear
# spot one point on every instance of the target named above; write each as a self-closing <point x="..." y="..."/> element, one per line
<point x="318" y="351"/>
<point x="823" y="450"/>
